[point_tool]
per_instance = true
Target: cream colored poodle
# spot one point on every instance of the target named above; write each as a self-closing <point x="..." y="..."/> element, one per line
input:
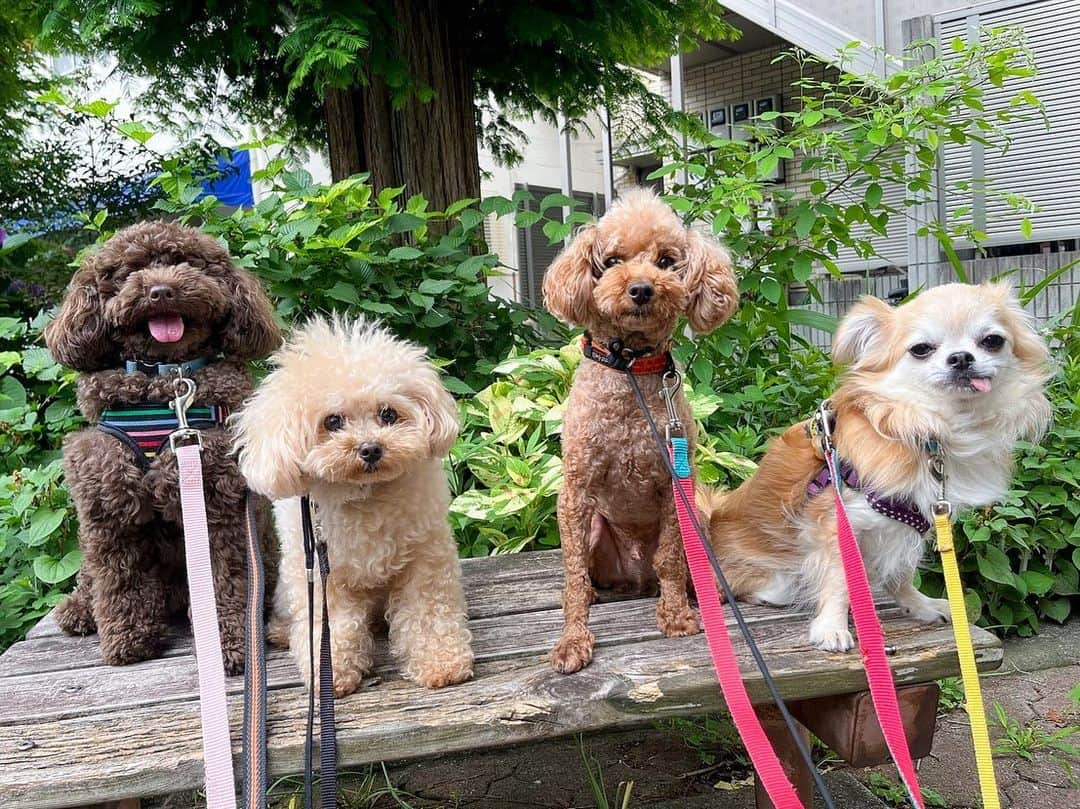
<point x="360" y="420"/>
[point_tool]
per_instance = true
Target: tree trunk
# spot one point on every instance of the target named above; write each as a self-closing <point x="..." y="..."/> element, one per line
<point x="429" y="147"/>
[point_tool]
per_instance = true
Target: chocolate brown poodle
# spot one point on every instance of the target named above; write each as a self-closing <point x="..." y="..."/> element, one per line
<point x="156" y="296"/>
<point x="628" y="279"/>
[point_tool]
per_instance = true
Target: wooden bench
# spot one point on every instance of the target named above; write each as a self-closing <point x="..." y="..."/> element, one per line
<point x="74" y="732"/>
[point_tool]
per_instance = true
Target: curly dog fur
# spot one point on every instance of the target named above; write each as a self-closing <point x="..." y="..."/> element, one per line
<point x="616" y="511"/>
<point x="360" y="420"/>
<point x="132" y="580"/>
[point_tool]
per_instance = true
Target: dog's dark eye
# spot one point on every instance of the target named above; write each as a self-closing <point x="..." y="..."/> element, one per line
<point x="992" y="342"/>
<point x="922" y="350"/>
<point x="665" y="262"/>
<point x="388" y="415"/>
<point x="333" y="422"/>
<point x="611" y="261"/>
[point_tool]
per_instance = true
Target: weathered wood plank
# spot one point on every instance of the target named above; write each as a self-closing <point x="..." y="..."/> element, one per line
<point x="55" y="690"/>
<point x="155" y="749"/>
<point x="492" y="587"/>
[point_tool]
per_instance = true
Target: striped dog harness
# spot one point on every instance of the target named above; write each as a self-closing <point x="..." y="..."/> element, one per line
<point x="146" y="426"/>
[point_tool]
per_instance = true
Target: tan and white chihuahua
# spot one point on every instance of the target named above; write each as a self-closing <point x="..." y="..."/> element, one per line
<point x="960" y="365"/>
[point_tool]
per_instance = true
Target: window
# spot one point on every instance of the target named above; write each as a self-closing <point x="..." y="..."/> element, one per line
<point x="534" y="253"/>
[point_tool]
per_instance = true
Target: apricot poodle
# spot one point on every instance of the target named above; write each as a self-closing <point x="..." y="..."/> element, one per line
<point x="628" y="279"/>
<point x="359" y="420"/>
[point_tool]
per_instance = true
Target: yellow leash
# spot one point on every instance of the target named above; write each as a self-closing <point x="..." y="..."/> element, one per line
<point x="980" y="737"/>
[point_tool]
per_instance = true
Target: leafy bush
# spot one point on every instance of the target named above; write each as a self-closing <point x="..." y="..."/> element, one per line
<point x="39" y="552"/>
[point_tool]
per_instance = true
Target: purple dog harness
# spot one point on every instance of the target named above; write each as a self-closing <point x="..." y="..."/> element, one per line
<point x="899" y="510"/>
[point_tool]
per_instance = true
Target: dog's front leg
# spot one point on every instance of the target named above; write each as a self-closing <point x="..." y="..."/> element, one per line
<point x="574" y="650"/>
<point x="428" y="629"/>
<point x="829" y="627"/>
<point x="674" y="616"/>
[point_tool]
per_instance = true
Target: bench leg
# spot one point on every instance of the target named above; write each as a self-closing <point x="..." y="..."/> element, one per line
<point x="788" y="754"/>
<point x="847" y="723"/>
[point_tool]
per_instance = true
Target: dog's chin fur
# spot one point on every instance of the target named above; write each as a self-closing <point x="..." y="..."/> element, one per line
<point x="778" y="545"/>
<point x="385" y="524"/>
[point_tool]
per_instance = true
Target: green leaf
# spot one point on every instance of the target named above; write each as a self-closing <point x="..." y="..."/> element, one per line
<point x="518" y="471"/>
<point x="873" y="195"/>
<point x="54" y="571"/>
<point x="1037" y="583"/>
<point x="808" y="317"/>
<point x="378" y="307"/>
<point x="16" y="240"/>
<point x="802" y="267"/>
<point x="805" y="221"/>
<point x="557" y="201"/>
<point x="771" y="289"/>
<point x="136" y="131"/>
<point x="1025" y="227"/>
<point x="994" y="565"/>
<point x="43" y="523"/>
<point x="471" y="218"/>
<point x="343" y="292"/>
<point x="455" y="385"/>
<point x="404" y="253"/>
<point x="1056" y="609"/>
<point x="12" y="393"/>
<point x="437" y="286"/>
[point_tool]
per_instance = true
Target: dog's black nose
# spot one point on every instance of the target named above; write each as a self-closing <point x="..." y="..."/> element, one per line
<point x="370" y="452"/>
<point x="161" y="293"/>
<point x="960" y="360"/>
<point x="641" y="292"/>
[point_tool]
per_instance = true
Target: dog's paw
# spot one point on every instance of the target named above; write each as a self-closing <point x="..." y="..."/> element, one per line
<point x="449" y="673"/>
<point x="572" y="652"/>
<point x="121" y="648"/>
<point x="75" y="616"/>
<point x="831" y="635"/>
<point x="346" y="682"/>
<point x="678" y="623"/>
<point x="928" y="610"/>
<point x="277" y="633"/>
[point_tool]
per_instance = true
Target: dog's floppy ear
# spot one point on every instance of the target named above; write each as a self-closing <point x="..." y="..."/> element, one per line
<point x="440" y="412"/>
<point x="862" y="327"/>
<point x="272" y="440"/>
<point x="251" y="331"/>
<point x="569" y="281"/>
<point x="79" y="337"/>
<point x="714" y="292"/>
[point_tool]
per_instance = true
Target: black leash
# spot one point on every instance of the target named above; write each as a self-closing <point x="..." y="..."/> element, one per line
<point x="315" y="546"/>
<point x="729" y="595"/>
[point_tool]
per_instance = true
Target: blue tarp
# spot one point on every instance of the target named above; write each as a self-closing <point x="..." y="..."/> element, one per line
<point x="233" y="185"/>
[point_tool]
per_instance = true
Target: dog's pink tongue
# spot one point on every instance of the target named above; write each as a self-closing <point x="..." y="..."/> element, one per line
<point x="980" y="383"/>
<point x="166" y="329"/>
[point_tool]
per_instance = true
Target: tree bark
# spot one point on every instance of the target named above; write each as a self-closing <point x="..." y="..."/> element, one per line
<point x="428" y="147"/>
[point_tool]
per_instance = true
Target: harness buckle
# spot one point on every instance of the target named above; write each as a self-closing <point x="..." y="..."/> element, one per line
<point x="819" y="428"/>
<point x="185" y="396"/>
<point x="936" y="462"/>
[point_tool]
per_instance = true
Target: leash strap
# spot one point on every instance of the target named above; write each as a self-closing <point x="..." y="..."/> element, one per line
<point x="217" y="749"/>
<point x="254" y="670"/>
<point x="766" y="764"/>
<point x="315" y="546"/>
<point x="980" y="738"/>
<point x="670" y="385"/>
<point x="872" y="645"/>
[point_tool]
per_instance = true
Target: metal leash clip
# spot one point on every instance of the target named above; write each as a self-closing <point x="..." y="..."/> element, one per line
<point x="819" y="429"/>
<point x="669" y="386"/>
<point x="185" y="395"/>
<point x="936" y="462"/>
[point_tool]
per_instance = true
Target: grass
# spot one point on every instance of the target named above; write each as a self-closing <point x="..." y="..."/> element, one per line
<point x="595" y="776"/>
<point x="1031" y="741"/>
<point x="952" y="695"/>
<point x="894" y="794"/>
<point x="356" y="790"/>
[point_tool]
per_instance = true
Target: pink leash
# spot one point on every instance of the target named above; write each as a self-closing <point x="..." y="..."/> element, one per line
<point x="872" y="644"/>
<point x="761" y="752"/>
<point x="217" y="748"/>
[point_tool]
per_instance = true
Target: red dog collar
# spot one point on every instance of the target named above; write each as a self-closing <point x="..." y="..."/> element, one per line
<point x="622" y="358"/>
